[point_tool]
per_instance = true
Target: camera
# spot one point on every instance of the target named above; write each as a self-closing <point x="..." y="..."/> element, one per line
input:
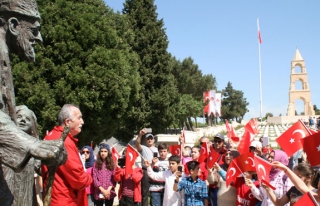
<point x="148" y="130"/>
<point x="180" y="168"/>
<point x="155" y="154"/>
<point x="122" y="162"/>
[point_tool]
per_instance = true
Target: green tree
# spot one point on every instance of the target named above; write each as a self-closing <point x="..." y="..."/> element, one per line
<point x="158" y="97"/>
<point x="85" y="59"/>
<point x="268" y="114"/>
<point x="233" y="104"/>
<point x="316" y="110"/>
<point x="190" y="81"/>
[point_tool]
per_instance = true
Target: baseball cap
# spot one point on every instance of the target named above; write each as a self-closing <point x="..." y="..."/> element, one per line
<point x="219" y="136"/>
<point x="255" y="144"/>
<point x="149" y="136"/>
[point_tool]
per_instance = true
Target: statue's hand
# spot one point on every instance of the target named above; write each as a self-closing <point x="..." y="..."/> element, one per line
<point x="51" y="152"/>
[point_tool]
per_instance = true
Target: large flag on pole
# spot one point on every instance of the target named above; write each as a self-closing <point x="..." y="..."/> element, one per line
<point x="206" y="99"/>
<point x="209" y="96"/>
<point x="259" y="34"/>
<point x="217" y="104"/>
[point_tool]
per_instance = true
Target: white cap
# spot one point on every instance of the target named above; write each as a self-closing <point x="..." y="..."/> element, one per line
<point x="256" y="144"/>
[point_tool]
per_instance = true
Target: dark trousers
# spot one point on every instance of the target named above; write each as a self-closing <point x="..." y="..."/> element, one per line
<point x="128" y="201"/>
<point x="106" y="202"/>
<point x="145" y="188"/>
<point x="213" y="195"/>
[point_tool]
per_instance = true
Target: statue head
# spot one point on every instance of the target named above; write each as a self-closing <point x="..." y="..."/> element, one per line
<point x="22" y="20"/>
<point x="23" y="7"/>
<point x="26" y="120"/>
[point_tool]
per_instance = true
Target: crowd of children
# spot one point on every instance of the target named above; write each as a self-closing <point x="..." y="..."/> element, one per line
<point x="184" y="180"/>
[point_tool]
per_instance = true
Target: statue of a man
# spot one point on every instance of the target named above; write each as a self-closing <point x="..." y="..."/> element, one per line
<point x="19" y="32"/>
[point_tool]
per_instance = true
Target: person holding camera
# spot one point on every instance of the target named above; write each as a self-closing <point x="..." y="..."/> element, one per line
<point x="159" y="164"/>
<point x="130" y="187"/>
<point x="170" y="198"/>
<point x="147" y="152"/>
<point x="103" y="177"/>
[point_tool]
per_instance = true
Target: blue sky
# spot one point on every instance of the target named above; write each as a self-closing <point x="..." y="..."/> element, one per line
<point x="221" y="37"/>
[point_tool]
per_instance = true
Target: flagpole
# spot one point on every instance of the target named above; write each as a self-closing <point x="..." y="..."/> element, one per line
<point x="259" y="42"/>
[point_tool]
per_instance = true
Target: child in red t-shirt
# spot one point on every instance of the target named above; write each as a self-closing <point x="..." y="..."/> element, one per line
<point x="244" y="195"/>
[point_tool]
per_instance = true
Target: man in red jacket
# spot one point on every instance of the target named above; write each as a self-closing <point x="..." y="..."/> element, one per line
<point x="70" y="179"/>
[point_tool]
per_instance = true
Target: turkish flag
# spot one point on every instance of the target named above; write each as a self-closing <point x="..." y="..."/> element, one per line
<point x="262" y="168"/>
<point x="131" y="156"/>
<point x="306" y="199"/>
<point x="232" y="173"/>
<point x="175" y="149"/>
<point x="252" y="126"/>
<point x="231" y="133"/>
<point x="259" y="33"/>
<point x="206" y="99"/>
<point x="204" y="153"/>
<point x="313" y="131"/>
<point x="115" y="154"/>
<point x="311" y="145"/>
<point x="213" y="157"/>
<point x="246" y="162"/>
<point x="289" y="141"/>
<point x="245" y="141"/>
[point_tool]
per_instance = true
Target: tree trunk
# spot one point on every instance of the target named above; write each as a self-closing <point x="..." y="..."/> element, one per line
<point x="195" y="119"/>
<point x="190" y="123"/>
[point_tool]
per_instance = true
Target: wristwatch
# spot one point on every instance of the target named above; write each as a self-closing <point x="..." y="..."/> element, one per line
<point x="176" y="181"/>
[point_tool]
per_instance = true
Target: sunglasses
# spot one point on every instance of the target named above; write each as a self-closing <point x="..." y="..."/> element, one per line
<point x="149" y="138"/>
<point x="217" y="141"/>
<point x="85" y="152"/>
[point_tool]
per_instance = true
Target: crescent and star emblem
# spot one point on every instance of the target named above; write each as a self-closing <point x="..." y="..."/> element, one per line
<point x="260" y="166"/>
<point x="204" y="150"/>
<point x="253" y="164"/>
<point x="131" y="156"/>
<point x="250" y="196"/>
<point x="251" y="137"/>
<point x="233" y="172"/>
<point x="303" y="135"/>
<point x="178" y="151"/>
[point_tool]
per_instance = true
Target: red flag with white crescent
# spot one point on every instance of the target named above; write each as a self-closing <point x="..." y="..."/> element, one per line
<point x="252" y="126"/>
<point x="232" y="173"/>
<point x="231" y="133"/>
<point x="131" y="156"/>
<point x="306" y="199"/>
<point x="245" y="141"/>
<point x="206" y="99"/>
<point x="204" y="153"/>
<point x="289" y="141"/>
<point x="175" y="149"/>
<point x="115" y="154"/>
<point x="311" y="145"/>
<point x="213" y="157"/>
<point x="246" y="162"/>
<point x="262" y="168"/>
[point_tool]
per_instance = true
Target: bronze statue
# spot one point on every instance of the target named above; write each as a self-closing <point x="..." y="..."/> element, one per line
<point x="19" y="32"/>
<point x="24" y="194"/>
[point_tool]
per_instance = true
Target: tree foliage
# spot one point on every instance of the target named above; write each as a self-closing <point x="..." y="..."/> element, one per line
<point x="84" y="60"/>
<point x="191" y="84"/>
<point x="233" y="105"/>
<point x="116" y="67"/>
<point x="158" y="97"/>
